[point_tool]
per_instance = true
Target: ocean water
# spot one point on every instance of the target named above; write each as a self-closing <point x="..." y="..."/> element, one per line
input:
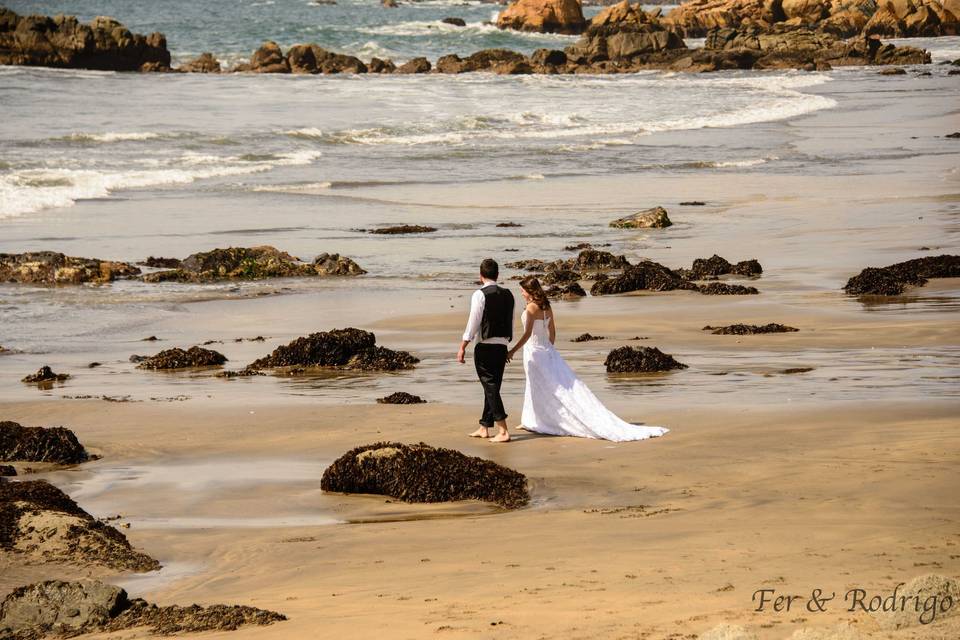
<point x="122" y="166"/>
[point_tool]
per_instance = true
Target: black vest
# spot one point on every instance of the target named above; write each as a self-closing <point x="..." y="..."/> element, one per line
<point x="497" y="319"/>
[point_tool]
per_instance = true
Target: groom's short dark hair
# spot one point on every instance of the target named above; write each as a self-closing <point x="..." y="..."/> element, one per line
<point x="489" y="269"/>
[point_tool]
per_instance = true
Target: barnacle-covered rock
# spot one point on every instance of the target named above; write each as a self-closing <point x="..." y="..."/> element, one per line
<point x="421" y="473"/>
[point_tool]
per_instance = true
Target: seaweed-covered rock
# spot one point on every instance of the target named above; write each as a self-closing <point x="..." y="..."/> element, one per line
<point x="341" y="348"/>
<point x="647" y="275"/>
<point x="403" y="229"/>
<point x="421" y="473"/>
<point x="724" y="289"/>
<point x="718" y="266"/>
<point x="528" y="265"/>
<point x="565" y="291"/>
<point x="45" y="375"/>
<point x="254" y="263"/>
<point x="655" y="218"/>
<point x="586" y="337"/>
<point x="559" y="276"/>
<point x="161" y="263"/>
<point x="893" y="279"/>
<point x="177" y="358"/>
<point x="87" y="606"/>
<point x="401" y="397"/>
<point x="594" y="260"/>
<point x="40" y="444"/>
<point x="40" y="521"/>
<point x="49" y="267"/>
<point x="749" y="329"/>
<point x="640" y="360"/>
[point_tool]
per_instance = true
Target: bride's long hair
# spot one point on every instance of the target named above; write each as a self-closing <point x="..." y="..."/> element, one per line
<point x="531" y="285"/>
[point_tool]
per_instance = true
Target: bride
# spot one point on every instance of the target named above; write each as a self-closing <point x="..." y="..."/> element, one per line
<point x="556" y="401"/>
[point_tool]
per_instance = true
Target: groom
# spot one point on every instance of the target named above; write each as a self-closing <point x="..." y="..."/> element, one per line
<point x="491" y="321"/>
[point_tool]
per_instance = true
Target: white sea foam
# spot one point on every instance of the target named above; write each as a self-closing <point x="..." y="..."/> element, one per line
<point x="31" y="190"/>
<point x="111" y="136"/>
<point x="434" y="27"/>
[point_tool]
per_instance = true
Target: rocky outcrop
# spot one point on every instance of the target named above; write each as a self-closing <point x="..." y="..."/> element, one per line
<point x="204" y="63"/>
<point x="718" y="266"/>
<point x="655" y="218"/>
<point x="161" y="263"/>
<point x="844" y="18"/>
<point x="421" y="473"/>
<point x="586" y="337"/>
<point x="544" y="16"/>
<point x="893" y="279"/>
<point x="255" y="263"/>
<point x="45" y="375"/>
<point x="624" y="32"/>
<point x="49" y="267"/>
<point x="43" y="524"/>
<point x="415" y="65"/>
<point x="640" y="360"/>
<point x="40" y="444"/>
<point x="62" y="41"/>
<point x="403" y="229"/>
<point x="339" y="349"/>
<point x="68" y="609"/>
<point x="565" y="291"/>
<point x="646" y="275"/>
<point x="749" y="329"/>
<point x="301" y="58"/>
<point x="401" y="397"/>
<point x="177" y="358"/>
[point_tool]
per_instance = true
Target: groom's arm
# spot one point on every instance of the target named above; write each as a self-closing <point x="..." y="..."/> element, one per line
<point x="477" y="303"/>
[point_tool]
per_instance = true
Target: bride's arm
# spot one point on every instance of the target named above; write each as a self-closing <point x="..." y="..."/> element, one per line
<point x="553" y="327"/>
<point x="527" y="332"/>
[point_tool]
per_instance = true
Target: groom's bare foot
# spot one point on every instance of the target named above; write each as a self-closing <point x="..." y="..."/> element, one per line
<point x="501" y="437"/>
<point x="482" y="432"/>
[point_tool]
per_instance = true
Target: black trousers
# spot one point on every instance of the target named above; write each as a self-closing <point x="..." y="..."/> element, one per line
<point x="490" y="360"/>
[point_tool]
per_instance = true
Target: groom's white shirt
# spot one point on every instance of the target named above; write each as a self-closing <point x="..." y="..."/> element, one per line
<point x="477" y="304"/>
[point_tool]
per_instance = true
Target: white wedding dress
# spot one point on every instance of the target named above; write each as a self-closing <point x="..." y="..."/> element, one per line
<point x="558" y="403"/>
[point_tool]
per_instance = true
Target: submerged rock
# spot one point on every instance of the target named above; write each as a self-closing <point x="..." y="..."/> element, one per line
<point x="254" y="263"/>
<point x="62" y="41"/>
<point x="177" y="358"/>
<point x="341" y="349"/>
<point x="73" y="608"/>
<point x="421" y="473"/>
<point x="40" y="444"/>
<point x="40" y="521"/>
<point x="640" y="360"/>
<point x="893" y="279"/>
<point x="49" y="267"/>
<point x="749" y="329"/>
<point x="543" y="16"/>
<point x="403" y="229"/>
<point x="457" y="22"/>
<point x="586" y="337"/>
<point x="655" y="218"/>
<point x="45" y="375"/>
<point x="401" y="397"/>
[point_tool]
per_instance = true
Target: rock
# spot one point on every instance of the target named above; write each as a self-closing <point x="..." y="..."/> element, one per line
<point x="543" y="16"/>
<point x="381" y="66"/>
<point x="241" y="373"/>
<point x="6" y="470"/>
<point x="558" y="276"/>
<point x="421" y="473"/>
<point x="893" y="279"/>
<point x="508" y="225"/>
<point x="490" y="59"/>
<point x="68" y="609"/>
<point x="724" y="289"/>
<point x="725" y="631"/>
<point x="566" y="291"/>
<point x="40" y="444"/>
<point x="204" y="63"/>
<point x="161" y="263"/>
<point x="655" y="218"/>
<point x="45" y="375"/>
<point x="176" y="358"/>
<point x="403" y="229"/>
<point x="895" y="71"/>
<point x="150" y="339"/>
<point x="48" y="267"/>
<point x="586" y="337"/>
<point x="692" y="203"/>
<point x="646" y="275"/>
<point x="62" y="41"/>
<point x="451" y="63"/>
<point x="928" y="588"/>
<point x="527" y="265"/>
<point x="341" y="349"/>
<point x="718" y="266"/>
<point x="255" y="263"/>
<point x="548" y="58"/>
<point x="640" y="360"/>
<point x="794" y="370"/>
<point x="749" y="329"/>
<point x="955" y="134"/>
<point x="415" y="65"/>
<point x="457" y="22"/>
<point x="269" y="58"/>
<point x="594" y="260"/>
<point x="624" y="32"/>
<point x="389" y="4"/>
<point x="41" y="522"/>
<point x="401" y="397"/>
